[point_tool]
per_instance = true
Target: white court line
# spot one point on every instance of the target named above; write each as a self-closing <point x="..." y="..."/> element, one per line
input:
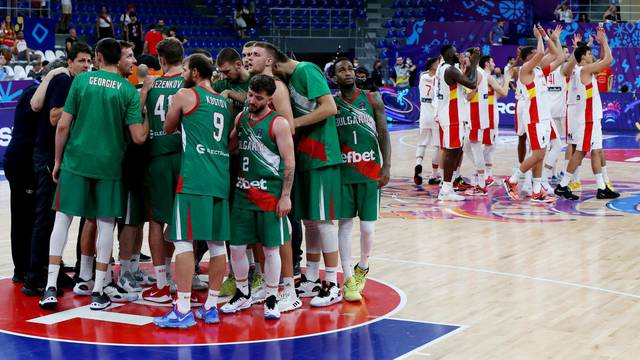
<point x="419" y="349"/>
<point x="521" y="276"/>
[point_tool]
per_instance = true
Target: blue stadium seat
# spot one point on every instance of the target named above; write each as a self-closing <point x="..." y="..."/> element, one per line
<point x="390" y="34"/>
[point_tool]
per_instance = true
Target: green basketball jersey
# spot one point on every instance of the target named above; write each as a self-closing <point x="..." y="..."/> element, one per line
<point x="205" y="143"/>
<point x="158" y="101"/>
<point x="102" y="104"/>
<point x="261" y="171"/>
<point x="361" y="156"/>
<point x="243" y="87"/>
<point x="317" y="144"/>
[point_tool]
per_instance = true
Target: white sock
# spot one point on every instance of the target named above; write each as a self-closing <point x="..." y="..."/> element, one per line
<point x="420" y="150"/>
<point x="489" y="171"/>
<point x="514" y="178"/>
<point x="447" y="187"/>
<point x="600" y="181"/>
<point x="212" y="299"/>
<point x="482" y="180"/>
<point x="125" y="266"/>
<point x="184" y="302"/>
<point x="566" y="179"/>
<point x="167" y="265"/>
<point x="52" y="276"/>
<point x="344" y="244"/>
<point x="331" y="274"/>
<point x="288" y="283"/>
<point x="367" y="231"/>
<point x="109" y="277"/>
<point x="243" y="286"/>
<point x="576" y="175"/>
<point x="546" y="173"/>
<point x="537" y="187"/>
<point x="100" y="281"/>
<point x="86" y="267"/>
<point x="605" y="175"/>
<point x="313" y="270"/>
<point x="258" y="268"/>
<point x="135" y="263"/>
<point x="161" y="276"/>
<point x="240" y="264"/>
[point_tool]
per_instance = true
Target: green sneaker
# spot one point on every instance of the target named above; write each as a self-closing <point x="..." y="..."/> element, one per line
<point x="257" y="281"/>
<point x="360" y="277"/>
<point x="228" y="286"/>
<point x="350" y="290"/>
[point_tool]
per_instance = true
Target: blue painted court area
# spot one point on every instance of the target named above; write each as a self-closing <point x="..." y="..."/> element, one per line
<point x="385" y="339"/>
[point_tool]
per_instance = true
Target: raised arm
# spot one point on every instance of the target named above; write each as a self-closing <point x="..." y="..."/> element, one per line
<point x="528" y="66"/>
<point x="602" y="64"/>
<point x="326" y="107"/>
<point x="555" y="49"/>
<point x="473" y="92"/>
<point x="383" y="137"/>
<point x="567" y="68"/>
<point x="453" y="75"/>
<point x="500" y="90"/>
<point x="284" y="140"/>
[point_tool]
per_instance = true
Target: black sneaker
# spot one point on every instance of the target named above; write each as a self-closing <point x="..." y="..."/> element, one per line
<point x="417" y="179"/>
<point x="65" y="281"/>
<point x="34" y="286"/>
<point x="607" y="193"/>
<point x="18" y="277"/>
<point x="565" y="192"/>
<point x="49" y="300"/>
<point x="306" y="288"/>
<point x="144" y="258"/>
<point x="435" y="181"/>
<point x="99" y="301"/>
<point x="239" y="302"/>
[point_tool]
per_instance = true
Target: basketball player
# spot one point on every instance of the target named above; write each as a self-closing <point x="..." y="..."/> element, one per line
<point x="263" y="193"/>
<point x="450" y="113"/>
<point x="585" y="106"/>
<point x="535" y="114"/>
<point x="260" y="60"/>
<point x="201" y="207"/>
<point x="246" y="49"/>
<point x="165" y="152"/>
<point x="317" y="188"/>
<point x="366" y="157"/>
<point x="89" y="178"/>
<point x="428" y="135"/>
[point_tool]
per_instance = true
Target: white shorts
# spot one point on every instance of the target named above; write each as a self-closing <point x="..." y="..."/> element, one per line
<point x="539" y="134"/>
<point x="427" y="119"/>
<point x="588" y="136"/>
<point x="521" y="127"/>
<point x="573" y="124"/>
<point x="451" y="137"/>
<point x="429" y="136"/>
<point x="558" y="130"/>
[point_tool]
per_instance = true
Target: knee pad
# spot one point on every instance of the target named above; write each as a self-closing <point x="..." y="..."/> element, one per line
<point x="182" y="247"/>
<point x="216" y="248"/>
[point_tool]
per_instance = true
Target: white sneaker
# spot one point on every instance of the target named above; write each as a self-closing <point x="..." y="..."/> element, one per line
<point x="198" y="284"/>
<point x="308" y="288"/>
<point x="449" y="196"/>
<point x="83" y="288"/>
<point x="259" y="294"/>
<point x="329" y="295"/>
<point x="118" y="294"/>
<point x="271" y="310"/>
<point x="288" y="300"/>
<point x="546" y="187"/>
<point x="129" y="283"/>
<point x="239" y="302"/>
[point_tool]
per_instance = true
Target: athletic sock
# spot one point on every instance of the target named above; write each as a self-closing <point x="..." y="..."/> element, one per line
<point x="135" y="263"/>
<point x="243" y="286"/>
<point x="161" y="276"/>
<point x="331" y="274"/>
<point x="600" y="181"/>
<point x="447" y="186"/>
<point x="100" y="280"/>
<point x="212" y="299"/>
<point x="167" y="265"/>
<point x="109" y="274"/>
<point x="605" y="175"/>
<point x="536" y="185"/>
<point x="288" y="283"/>
<point x="125" y="266"/>
<point x="313" y="270"/>
<point x="482" y="180"/>
<point x="86" y="267"/>
<point x="566" y="179"/>
<point x="184" y="302"/>
<point x="576" y="175"/>
<point x="52" y="276"/>
<point x="514" y="178"/>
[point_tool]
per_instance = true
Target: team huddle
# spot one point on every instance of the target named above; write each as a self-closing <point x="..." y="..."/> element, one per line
<point x="229" y="166"/>
<point x="556" y="96"/>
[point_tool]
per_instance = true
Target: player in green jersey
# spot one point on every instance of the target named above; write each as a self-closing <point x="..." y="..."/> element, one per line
<point x="366" y="163"/>
<point x="235" y="78"/>
<point x="165" y="153"/>
<point x="201" y="206"/>
<point x="89" y="176"/>
<point x="317" y="188"/>
<point x="263" y="192"/>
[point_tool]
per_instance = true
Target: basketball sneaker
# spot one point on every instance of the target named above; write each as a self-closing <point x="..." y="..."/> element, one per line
<point x="489" y="181"/>
<point x="257" y="281"/>
<point x="142" y="278"/>
<point x="350" y="290"/>
<point x="175" y="319"/>
<point x="129" y="283"/>
<point x="477" y="191"/>
<point x="459" y="184"/>
<point x="259" y="294"/>
<point x="511" y="189"/>
<point x="449" y="196"/>
<point x="160" y="296"/>
<point x="99" y="301"/>
<point x="607" y="193"/>
<point x="239" y="302"/>
<point x="271" y="310"/>
<point x="565" y="192"/>
<point x="288" y="300"/>
<point x="308" y="288"/>
<point x="417" y="179"/>
<point x="329" y="294"/>
<point x="542" y="197"/>
<point x="198" y="284"/>
<point x="435" y="180"/>
<point x="118" y="294"/>
<point x="228" y="286"/>
<point x="575" y="186"/>
<point x="361" y="277"/>
<point x="546" y="187"/>
<point x="608" y="183"/>
<point x="49" y="300"/>
<point x="83" y="287"/>
<point x="209" y="316"/>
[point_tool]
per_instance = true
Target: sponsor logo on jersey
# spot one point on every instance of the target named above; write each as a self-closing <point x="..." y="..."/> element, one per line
<point x="356" y="157"/>
<point x="245" y="184"/>
<point x="201" y="149"/>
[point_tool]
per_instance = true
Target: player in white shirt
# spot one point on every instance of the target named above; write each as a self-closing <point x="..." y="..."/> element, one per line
<point x="585" y="107"/>
<point x="428" y="136"/>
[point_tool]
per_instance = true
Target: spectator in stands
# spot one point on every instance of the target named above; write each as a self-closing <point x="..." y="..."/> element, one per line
<point x="413" y="72"/>
<point x="125" y="19"/>
<point x="605" y="80"/>
<point x="153" y="37"/>
<point x="250" y="17"/>
<point x="72" y="39"/>
<point x="364" y="81"/>
<point x="496" y="35"/>
<point x="356" y="63"/>
<point x="3" y="72"/>
<point x="21" y="51"/>
<point x="583" y="18"/>
<point x="563" y="13"/>
<point x="611" y="15"/>
<point x="134" y="34"/>
<point x="173" y="33"/>
<point x="376" y="75"/>
<point x="104" y="25"/>
<point x="400" y="74"/>
<point x="65" y="17"/>
<point x="497" y="74"/>
<point x="36" y="70"/>
<point x="238" y="14"/>
<point x="7" y="35"/>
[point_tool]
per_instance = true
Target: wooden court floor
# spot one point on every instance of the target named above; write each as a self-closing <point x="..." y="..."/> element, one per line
<point x="524" y="281"/>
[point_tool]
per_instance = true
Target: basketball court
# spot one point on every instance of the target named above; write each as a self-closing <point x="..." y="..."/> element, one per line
<point x="484" y="279"/>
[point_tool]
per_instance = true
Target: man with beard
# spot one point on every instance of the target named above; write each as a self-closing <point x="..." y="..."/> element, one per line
<point x="235" y="78"/>
<point x="366" y="164"/>
<point x="201" y="205"/>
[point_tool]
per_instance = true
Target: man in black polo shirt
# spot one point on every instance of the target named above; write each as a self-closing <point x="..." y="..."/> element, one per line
<point x="49" y="100"/>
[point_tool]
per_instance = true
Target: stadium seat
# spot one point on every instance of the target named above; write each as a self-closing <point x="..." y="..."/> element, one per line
<point x="59" y="54"/>
<point x="19" y="73"/>
<point x="39" y="53"/>
<point x="50" y="56"/>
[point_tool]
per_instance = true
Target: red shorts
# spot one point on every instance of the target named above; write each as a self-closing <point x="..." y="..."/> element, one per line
<point x="451" y="137"/>
<point x="539" y="135"/>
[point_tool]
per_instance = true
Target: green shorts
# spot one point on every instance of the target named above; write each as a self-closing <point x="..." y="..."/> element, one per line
<point x="199" y="217"/>
<point x="255" y="226"/>
<point x="361" y="199"/>
<point x="86" y="197"/>
<point x="135" y="212"/>
<point x="316" y="194"/>
<point x="162" y="180"/>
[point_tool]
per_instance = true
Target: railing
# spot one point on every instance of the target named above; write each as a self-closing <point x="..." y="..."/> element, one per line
<point x="313" y="22"/>
<point x="24" y="8"/>
<point x="595" y="10"/>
